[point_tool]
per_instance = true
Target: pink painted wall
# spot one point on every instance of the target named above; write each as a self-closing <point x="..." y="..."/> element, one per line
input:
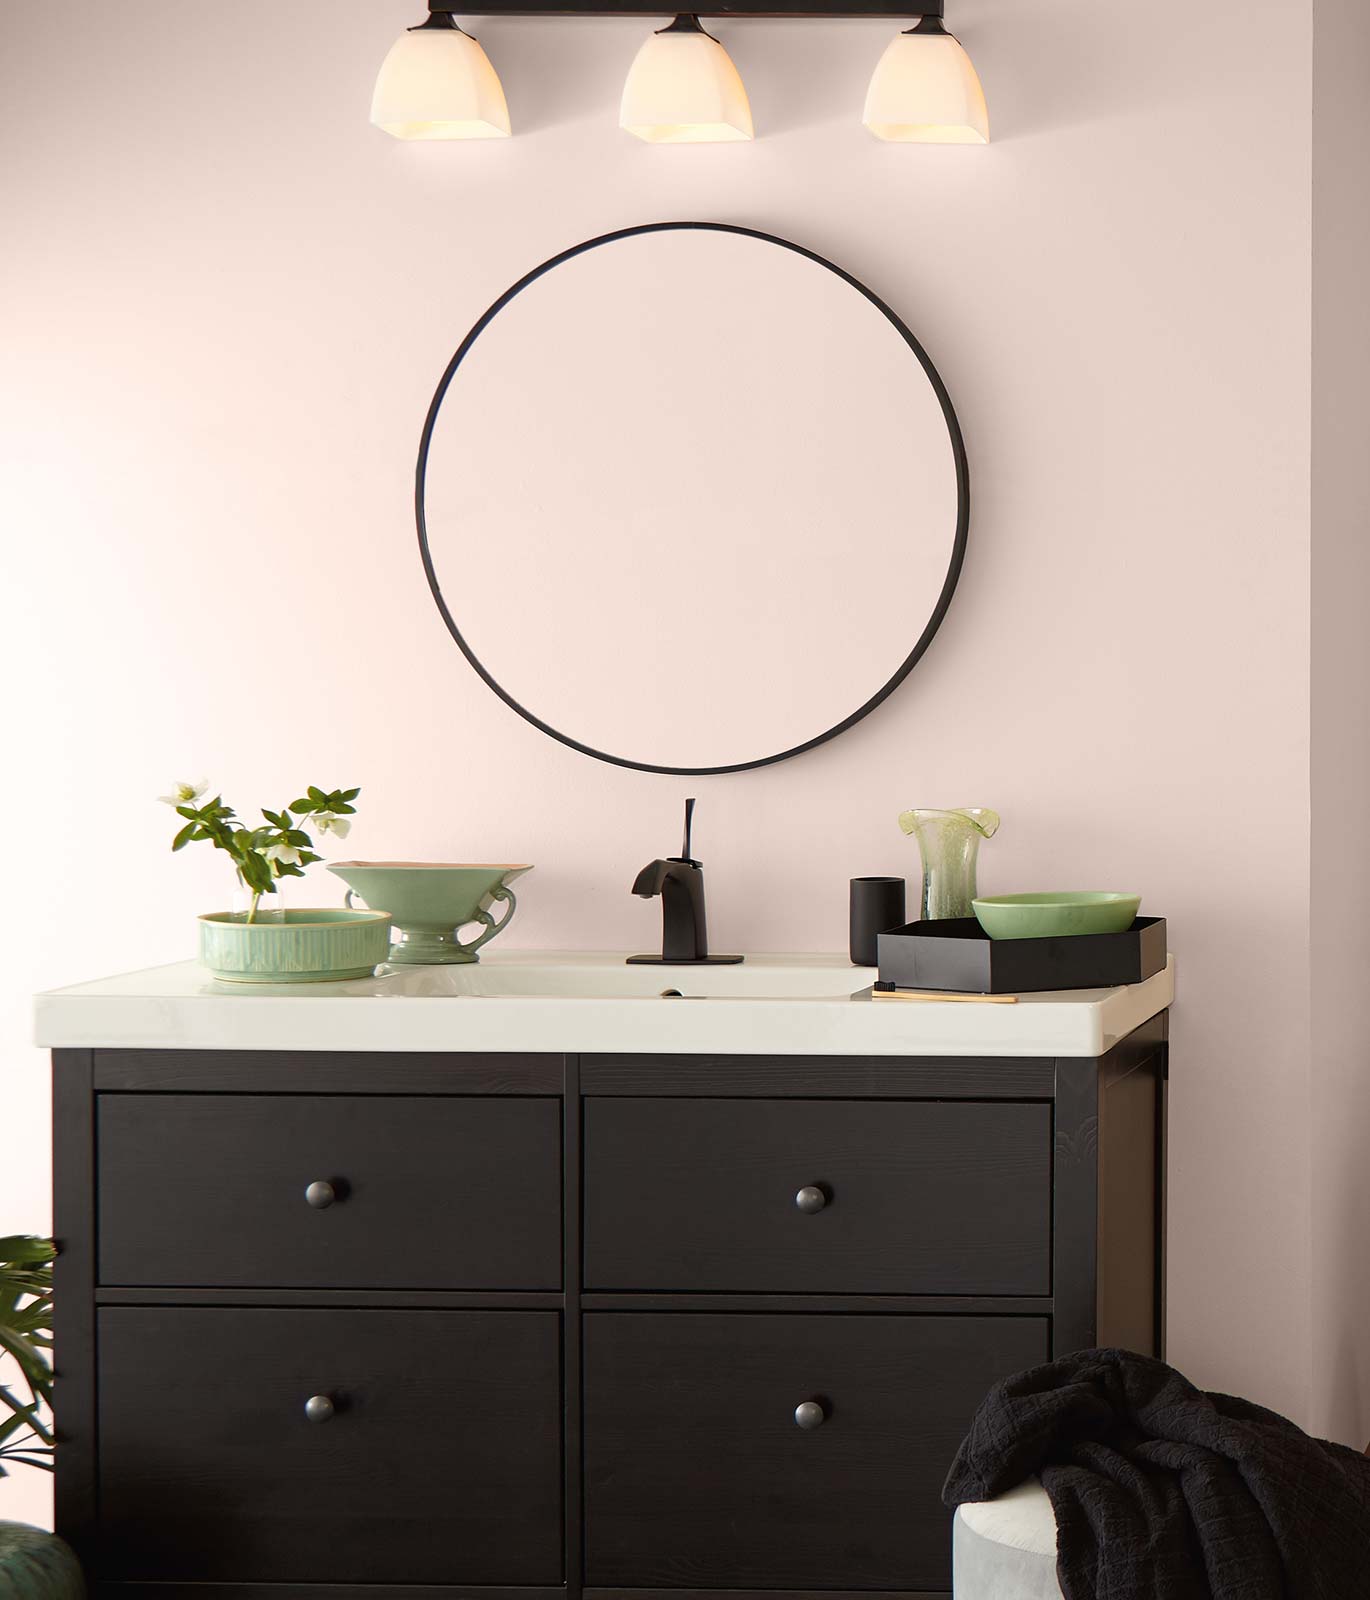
<point x="1340" y="1081"/>
<point x="224" y="303"/>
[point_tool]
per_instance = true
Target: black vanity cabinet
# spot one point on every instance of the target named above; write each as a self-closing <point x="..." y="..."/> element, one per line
<point x="372" y="1325"/>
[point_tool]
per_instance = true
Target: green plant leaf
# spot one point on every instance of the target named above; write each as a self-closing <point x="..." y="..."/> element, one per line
<point x="29" y="1361"/>
<point x="25" y="1416"/>
<point x="256" y="869"/>
<point x="33" y="1319"/>
<point x="24" y="1249"/>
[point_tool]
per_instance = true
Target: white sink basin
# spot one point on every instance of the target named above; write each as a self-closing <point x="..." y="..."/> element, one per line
<point x="557" y="1003"/>
<point x="607" y="977"/>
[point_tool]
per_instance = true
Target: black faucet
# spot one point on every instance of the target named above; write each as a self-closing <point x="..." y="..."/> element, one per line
<point x="679" y="880"/>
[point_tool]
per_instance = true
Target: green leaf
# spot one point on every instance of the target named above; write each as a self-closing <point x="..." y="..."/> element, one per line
<point x="25" y="1417"/>
<point x="256" y="870"/>
<point x="275" y="819"/>
<point x="300" y="807"/>
<point x="296" y="837"/>
<point x="28" y="1360"/>
<point x="184" y="837"/>
<point x="350" y="794"/>
<point x="316" y="795"/>
<point x="25" y="1250"/>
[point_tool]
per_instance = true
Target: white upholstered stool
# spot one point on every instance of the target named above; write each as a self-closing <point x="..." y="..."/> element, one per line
<point x="1005" y="1549"/>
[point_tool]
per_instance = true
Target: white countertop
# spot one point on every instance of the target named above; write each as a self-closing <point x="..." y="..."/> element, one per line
<point x="578" y="1002"/>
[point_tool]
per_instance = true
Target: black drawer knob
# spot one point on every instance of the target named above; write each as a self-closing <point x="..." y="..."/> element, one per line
<point x="319" y="1408"/>
<point x="810" y="1199"/>
<point x="809" y="1414"/>
<point x="320" y="1195"/>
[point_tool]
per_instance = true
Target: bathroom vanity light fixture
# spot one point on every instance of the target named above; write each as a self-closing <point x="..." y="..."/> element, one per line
<point x="925" y="91"/>
<point x="684" y="89"/>
<point x="437" y="83"/>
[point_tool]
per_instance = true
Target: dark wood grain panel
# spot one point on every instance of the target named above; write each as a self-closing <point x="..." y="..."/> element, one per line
<point x="1127" y="1213"/>
<point x="768" y="1594"/>
<point x="1131" y="1201"/>
<point x="696" y="1475"/>
<point x="819" y="1077"/>
<point x="381" y="1299"/>
<point x="331" y="1591"/>
<point x="328" y="1072"/>
<point x="573" y="1417"/>
<point x="442" y="1464"/>
<point x="931" y="1198"/>
<point x="1075" y="1189"/>
<point x="937" y="1305"/>
<point x="209" y="1190"/>
<point x="1109" y="1198"/>
<point x="73" y="1225"/>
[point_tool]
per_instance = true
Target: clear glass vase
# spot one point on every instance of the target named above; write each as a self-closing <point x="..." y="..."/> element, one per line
<point x="270" y="907"/>
<point x="950" y="844"/>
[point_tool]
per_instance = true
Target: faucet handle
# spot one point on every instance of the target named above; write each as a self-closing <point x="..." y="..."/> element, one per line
<point x="685" y="852"/>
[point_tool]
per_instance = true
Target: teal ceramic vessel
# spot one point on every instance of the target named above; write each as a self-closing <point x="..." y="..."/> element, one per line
<point x="305" y="946"/>
<point x="431" y="902"/>
<point x="1049" y="916"/>
<point x="37" y="1566"/>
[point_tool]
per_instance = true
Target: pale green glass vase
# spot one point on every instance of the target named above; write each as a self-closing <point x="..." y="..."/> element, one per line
<point x="950" y="844"/>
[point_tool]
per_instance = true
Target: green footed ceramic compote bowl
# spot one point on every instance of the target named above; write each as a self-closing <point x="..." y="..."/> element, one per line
<point x="430" y="903"/>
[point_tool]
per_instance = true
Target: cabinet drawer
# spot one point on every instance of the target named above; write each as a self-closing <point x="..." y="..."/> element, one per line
<point x="441" y="1463"/>
<point x="913" y="1197"/>
<point x="698" y="1476"/>
<point x="430" y="1193"/>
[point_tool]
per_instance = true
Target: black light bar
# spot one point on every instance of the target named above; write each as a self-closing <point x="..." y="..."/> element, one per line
<point x="889" y="9"/>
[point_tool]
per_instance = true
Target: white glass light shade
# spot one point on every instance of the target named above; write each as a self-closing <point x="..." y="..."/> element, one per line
<point x="925" y="91"/>
<point x="437" y="83"/>
<point x="684" y="89"/>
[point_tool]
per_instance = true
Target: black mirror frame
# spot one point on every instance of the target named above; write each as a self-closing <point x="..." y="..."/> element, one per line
<point x="962" y="486"/>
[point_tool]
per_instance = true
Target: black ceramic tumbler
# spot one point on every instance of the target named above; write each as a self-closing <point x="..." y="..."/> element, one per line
<point x="877" y="905"/>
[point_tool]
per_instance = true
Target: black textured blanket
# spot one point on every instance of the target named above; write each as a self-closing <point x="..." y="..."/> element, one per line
<point x="1162" y="1492"/>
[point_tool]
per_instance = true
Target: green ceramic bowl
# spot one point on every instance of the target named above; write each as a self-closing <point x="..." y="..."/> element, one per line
<point x="1053" y="916"/>
<point x="310" y="946"/>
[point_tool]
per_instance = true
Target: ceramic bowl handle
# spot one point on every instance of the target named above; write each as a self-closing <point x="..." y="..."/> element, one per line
<point x="347" y="901"/>
<point x="491" y="926"/>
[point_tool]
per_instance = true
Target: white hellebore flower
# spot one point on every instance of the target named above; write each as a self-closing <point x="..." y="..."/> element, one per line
<point x="326" y="822"/>
<point x="184" y="794"/>
<point x="286" y="853"/>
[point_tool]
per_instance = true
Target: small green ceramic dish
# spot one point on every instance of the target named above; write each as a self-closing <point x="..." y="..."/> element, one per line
<point x="323" y="946"/>
<point x="1054" y="916"/>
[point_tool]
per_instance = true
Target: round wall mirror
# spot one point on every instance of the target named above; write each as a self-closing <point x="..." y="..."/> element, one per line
<point x="692" y="499"/>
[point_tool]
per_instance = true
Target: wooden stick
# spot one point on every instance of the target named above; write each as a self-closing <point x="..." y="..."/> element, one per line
<point x="961" y="999"/>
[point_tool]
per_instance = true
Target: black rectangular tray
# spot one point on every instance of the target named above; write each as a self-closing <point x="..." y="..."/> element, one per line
<point x="959" y="956"/>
